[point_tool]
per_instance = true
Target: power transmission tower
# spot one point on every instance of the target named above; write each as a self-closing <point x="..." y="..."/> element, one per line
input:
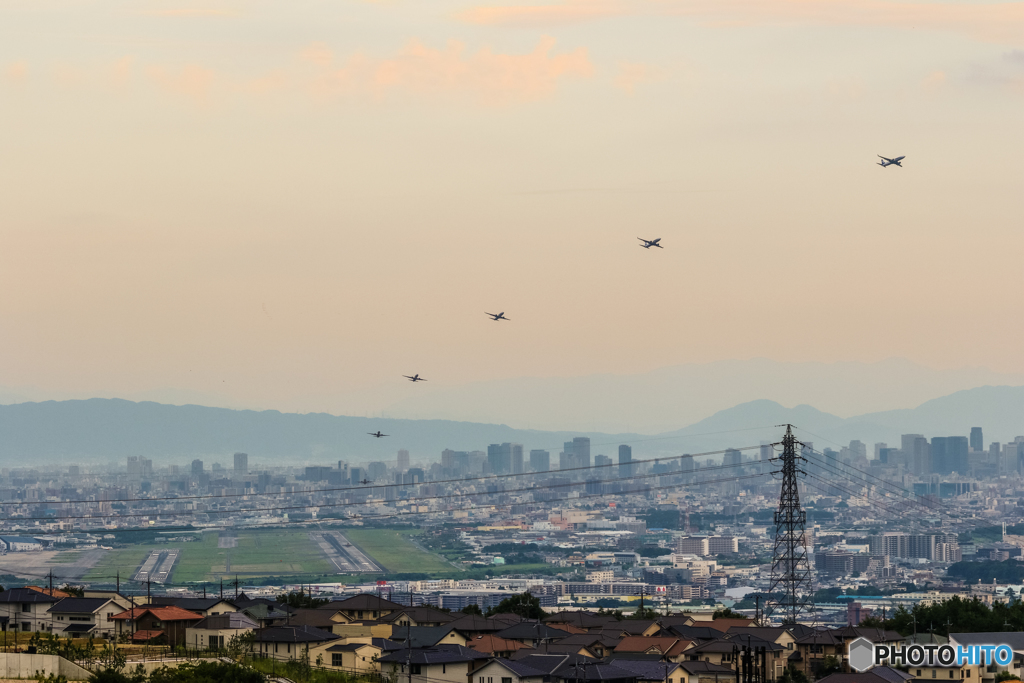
<point x="791" y="573"/>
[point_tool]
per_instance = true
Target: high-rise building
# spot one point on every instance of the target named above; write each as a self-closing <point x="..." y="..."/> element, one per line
<point x="766" y="451"/>
<point x="575" y="453"/>
<point x="723" y="545"/>
<point x="517" y="458"/>
<point x="403" y="460"/>
<point x="241" y="463"/>
<point x="732" y="457"/>
<point x="625" y="461"/>
<point x="356" y="475"/>
<point x="686" y="463"/>
<point x="376" y="471"/>
<point x="878" y="449"/>
<point x="134" y="468"/>
<point x="603" y="464"/>
<point x="917" y="452"/>
<point x="197" y="467"/>
<point x="949" y="454"/>
<point x="499" y="458"/>
<point x="977" y="440"/>
<point x="540" y="461"/>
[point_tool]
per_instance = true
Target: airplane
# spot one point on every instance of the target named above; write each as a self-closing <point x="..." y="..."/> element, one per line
<point x="647" y="244"/>
<point x="500" y="316"/>
<point x="376" y="434"/>
<point x="364" y="482"/>
<point x="889" y="162"/>
<point x="414" y="378"/>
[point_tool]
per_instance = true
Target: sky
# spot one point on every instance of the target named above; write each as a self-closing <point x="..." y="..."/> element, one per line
<point x="291" y="205"/>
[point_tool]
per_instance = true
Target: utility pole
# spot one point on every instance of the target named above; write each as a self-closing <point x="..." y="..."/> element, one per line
<point x="118" y="582"/>
<point x="791" y="573"/>
<point x="236" y="586"/>
<point x="51" y="583"/>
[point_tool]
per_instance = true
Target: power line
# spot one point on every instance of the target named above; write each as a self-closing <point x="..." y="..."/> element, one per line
<point x="305" y="506"/>
<point x="881" y="480"/>
<point x="488" y="477"/>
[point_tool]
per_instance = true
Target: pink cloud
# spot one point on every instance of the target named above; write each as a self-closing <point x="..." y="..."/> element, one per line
<point x="490" y="77"/>
<point x="992" y="22"/>
<point x="633" y="74"/>
<point x="191" y="81"/>
<point x="16" y="72"/>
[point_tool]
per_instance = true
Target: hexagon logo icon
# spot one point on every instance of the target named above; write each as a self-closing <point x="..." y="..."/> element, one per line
<point x="861" y="654"/>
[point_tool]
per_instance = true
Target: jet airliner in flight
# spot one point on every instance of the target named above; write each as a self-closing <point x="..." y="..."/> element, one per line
<point x="890" y="162"/>
<point x="376" y="434"/>
<point x="647" y="244"/>
<point x="499" y="316"/>
<point x="414" y="378"/>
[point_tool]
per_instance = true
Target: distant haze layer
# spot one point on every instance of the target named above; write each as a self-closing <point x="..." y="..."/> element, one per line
<point x="106" y="431"/>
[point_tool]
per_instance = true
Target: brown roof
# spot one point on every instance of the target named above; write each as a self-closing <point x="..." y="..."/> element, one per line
<point x="724" y="624"/>
<point x="143" y="636"/>
<point x="664" y="645"/>
<point x="491" y="643"/>
<point x="169" y="613"/>
<point x="54" y="593"/>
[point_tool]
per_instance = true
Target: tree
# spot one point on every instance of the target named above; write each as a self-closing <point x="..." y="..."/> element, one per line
<point x="793" y="675"/>
<point x="830" y="665"/>
<point x="301" y="599"/>
<point x="727" y="613"/>
<point x="74" y="591"/>
<point x="523" y="604"/>
<point x="1006" y="676"/>
<point x="472" y="609"/>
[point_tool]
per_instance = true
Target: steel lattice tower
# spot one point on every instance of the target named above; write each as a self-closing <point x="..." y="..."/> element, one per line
<point x="791" y="573"/>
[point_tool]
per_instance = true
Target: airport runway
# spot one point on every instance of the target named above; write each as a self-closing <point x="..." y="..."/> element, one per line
<point x="344" y="556"/>
<point x="157" y="566"/>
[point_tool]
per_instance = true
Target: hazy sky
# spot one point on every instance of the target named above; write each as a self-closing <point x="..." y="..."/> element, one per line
<point x="277" y="203"/>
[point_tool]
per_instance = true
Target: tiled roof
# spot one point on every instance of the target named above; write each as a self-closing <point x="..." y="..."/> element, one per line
<point x="442" y="654"/>
<point x="492" y="643"/>
<point x="162" y="613"/>
<point x="79" y="605"/>
<point x="532" y="631"/>
<point x="143" y="636"/>
<point x="227" y="621"/>
<point x="519" y="668"/>
<point x="647" y="670"/>
<point x="293" y="634"/>
<point x="25" y="595"/>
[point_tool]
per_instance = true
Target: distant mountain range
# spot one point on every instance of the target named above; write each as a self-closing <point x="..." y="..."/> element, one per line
<point x="108" y="430"/>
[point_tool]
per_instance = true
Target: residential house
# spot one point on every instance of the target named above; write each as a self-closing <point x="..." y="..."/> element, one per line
<point x="451" y="663"/>
<point x="495" y="646"/>
<point x="648" y="671"/>
<point x="216" y="631"/>
<point x="671" y="649"/>
<point x="502" y="670"/>
<point x="533" y="633"/>
<point x="362" y="607"/>
<point x="878" y="674"/>
<point x="1014" y="639"/>
<point x="417" y="616"/>
<point x="156" y="624"/>
<point x="26" y="609"/>
<point x="79" y="617"/>
<point x="291" y="642"/>
<point x="358" y="657"/>
<point x="705" y="672"/>
<point x="427" y="636"/>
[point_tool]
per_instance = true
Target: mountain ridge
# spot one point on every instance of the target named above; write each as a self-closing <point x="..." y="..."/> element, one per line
<point x="107" y="430"/>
